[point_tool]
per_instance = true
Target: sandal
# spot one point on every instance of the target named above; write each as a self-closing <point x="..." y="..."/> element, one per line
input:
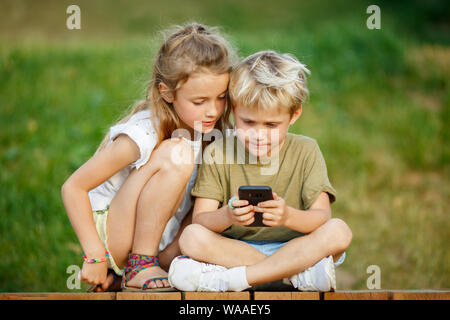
<point x="136" y="263"/>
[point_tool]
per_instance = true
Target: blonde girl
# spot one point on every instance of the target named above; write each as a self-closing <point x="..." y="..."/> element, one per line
<point x="129" y="202"/>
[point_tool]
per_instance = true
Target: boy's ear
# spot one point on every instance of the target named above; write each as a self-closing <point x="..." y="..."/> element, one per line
<point x="296" y="115"/>
<point x="165" y="92"/>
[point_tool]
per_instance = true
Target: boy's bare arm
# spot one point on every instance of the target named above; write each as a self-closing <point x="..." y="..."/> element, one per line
<point x="277" y="213"/>
<point x="207" y="213"/>
<point x="306" y="221"/>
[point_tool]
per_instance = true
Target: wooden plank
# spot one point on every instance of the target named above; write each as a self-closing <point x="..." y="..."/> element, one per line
<point x="23" y="296"/>
<point x="82" y="296"/>
<point x="421" y="295"/>
<point x="57" y="296"/>
<point x="357" y="295"/>
<point x="258" y="295"/>
<point x="245" y="295"/>
<point x="148" y="296"/>
<point x="277" y="295"/>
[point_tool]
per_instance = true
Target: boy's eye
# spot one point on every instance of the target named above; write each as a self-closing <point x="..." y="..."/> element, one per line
<point x="198" y="103"/>
<point x="271" y="125"/>
<point x="248" y="121"/>
<point x="223" y="97"/>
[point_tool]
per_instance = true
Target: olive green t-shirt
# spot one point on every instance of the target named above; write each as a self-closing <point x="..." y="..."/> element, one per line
<point x="298" y="174"/>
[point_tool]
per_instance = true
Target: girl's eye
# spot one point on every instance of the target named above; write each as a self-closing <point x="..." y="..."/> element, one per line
<point x="248" y="122"/>
<point x="198" y="103"/>
<point x="223" y="97"/>
<point x="271" y="125"/>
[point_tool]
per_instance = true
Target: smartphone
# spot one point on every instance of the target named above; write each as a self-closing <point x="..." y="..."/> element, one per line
<point x="255" y="195"/>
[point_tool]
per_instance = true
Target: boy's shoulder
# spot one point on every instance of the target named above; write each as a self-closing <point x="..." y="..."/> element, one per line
<point x="301" y="139"/>
<point x="300" y="143"/>
<point x="216" y="151"/>
<point x="217" y="146"/>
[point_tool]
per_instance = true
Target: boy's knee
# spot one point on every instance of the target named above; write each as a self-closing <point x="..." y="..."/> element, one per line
<point x="193" y="240"/>
<point x="340" y="234"/>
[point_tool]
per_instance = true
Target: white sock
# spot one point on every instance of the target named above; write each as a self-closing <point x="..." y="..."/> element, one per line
<point x="237" y="279"/>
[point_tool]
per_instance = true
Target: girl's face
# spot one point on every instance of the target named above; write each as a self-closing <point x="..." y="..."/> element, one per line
<point x="200" y="101"/>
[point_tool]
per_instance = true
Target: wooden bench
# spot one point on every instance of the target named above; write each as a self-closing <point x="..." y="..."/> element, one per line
<point x="246" y="295"/>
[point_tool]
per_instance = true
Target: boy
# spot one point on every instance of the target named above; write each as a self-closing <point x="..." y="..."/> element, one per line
<point x="300" y="240"/>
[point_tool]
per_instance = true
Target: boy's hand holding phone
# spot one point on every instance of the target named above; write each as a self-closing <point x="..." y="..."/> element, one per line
<point x="274" y="212"/>
<point x="242" y="212"/>
<point x="257" y="206"/>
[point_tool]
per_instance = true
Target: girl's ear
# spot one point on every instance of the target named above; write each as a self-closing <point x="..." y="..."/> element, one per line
<point x="296" y="115"/>
<point x="165" y="92"/>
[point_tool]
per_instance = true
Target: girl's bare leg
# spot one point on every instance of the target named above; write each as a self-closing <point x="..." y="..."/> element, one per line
<point x="173" y="249"/>
<point x="145" y="202"/>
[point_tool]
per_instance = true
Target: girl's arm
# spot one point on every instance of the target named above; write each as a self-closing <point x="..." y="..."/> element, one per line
<point x="95" y="171"/>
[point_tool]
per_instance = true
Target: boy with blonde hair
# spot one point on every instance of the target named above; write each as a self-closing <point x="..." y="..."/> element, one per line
<point x="300" y="241"/>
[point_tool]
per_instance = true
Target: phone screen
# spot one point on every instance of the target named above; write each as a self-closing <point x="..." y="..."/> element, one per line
<point x="255" y="195"/>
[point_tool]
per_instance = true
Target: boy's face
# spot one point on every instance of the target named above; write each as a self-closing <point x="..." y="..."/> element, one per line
<point x="263" y="132"/>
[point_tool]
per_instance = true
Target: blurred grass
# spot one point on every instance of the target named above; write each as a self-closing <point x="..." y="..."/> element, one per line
<point x="379" y="108"/>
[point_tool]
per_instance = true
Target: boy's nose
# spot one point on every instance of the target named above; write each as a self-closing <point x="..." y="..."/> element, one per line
<point x="259" y="135"/>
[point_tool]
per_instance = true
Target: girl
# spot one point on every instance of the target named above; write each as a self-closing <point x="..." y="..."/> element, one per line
<point x="128" y="202"/>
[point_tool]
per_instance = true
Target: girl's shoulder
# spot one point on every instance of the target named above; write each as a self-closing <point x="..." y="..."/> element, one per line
<point x="141" y="118"/>
<point x="138" y="128"/>
<point x="140" y="121"/>
<point x="140" y="115"/>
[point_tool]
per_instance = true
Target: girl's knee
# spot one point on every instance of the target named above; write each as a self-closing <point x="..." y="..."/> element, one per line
<point x="175" y="156"/>
<point x="193" y="240"/>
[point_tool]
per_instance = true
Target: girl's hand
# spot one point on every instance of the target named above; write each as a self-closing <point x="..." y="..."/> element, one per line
<point x="274" y="211"/>
<point x="242" y="214"/>
<point x="94" y="273"/>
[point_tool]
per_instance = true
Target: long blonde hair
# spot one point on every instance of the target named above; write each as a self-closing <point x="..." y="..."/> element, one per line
<point x="186" y="50"/>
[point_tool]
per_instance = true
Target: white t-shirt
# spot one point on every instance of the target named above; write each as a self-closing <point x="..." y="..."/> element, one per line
<point x="140" y="129"/>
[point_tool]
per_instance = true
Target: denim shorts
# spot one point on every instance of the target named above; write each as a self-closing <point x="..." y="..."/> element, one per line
<point x="269" y="247"/>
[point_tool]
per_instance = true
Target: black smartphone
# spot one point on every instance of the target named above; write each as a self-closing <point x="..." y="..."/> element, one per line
<point x="255" y="195"/>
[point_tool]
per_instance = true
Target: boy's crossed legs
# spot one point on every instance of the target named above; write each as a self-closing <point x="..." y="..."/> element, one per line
<point x="332" y="238"/>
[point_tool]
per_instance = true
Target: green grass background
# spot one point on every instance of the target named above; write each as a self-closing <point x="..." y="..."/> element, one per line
<point x="379" y="109"/>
